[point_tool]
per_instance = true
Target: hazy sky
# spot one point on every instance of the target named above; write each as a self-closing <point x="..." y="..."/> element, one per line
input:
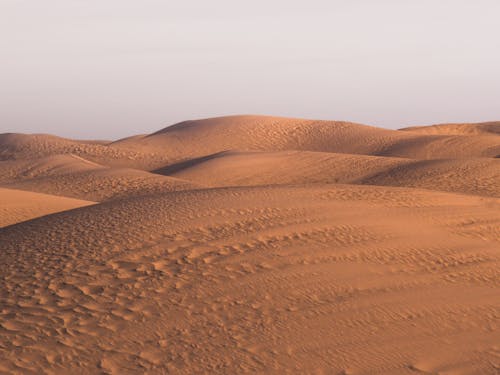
<point x="111" y="68"/>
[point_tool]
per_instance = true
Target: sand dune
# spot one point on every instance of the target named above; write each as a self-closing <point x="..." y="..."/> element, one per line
<point x="83" y="180"/>
<point x="252" y="244"/>
<point x="259" y="280"/>
<point x="264" y="133"/>
<point x="479" y="176"/>
<point x="445" y="147"/>
<point x="54" y="165"/>
<point x="72" y="176"/>
<point x="201" y="138"/>
<point x="267" y="133"/>
<point x="285" y="167"/>
<point x="30" y="146"/>
<point x="458" y="129"/>
<point x="114" y="183"/>
<point x="17" y="206"/>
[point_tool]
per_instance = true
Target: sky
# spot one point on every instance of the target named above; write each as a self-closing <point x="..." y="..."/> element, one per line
<point x="112" y="68"/>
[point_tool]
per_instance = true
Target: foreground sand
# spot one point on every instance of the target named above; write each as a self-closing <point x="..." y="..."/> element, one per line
<point x="297" y="273"/>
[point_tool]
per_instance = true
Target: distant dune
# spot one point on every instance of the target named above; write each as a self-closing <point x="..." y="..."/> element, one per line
<point x="479" y="176"/>
<point x="73" y="176"/>
<point x="54" y="165"/>
<point x="31" y="146"/>
<point x="266" y="133"/>
<point x="106" y="184"/>
<point x="263" y="133"/>
<point x="252" y="133"/>
<point x="484" y="128"/>
<point x="252" y="244"/>
<point x="281" y="168"/>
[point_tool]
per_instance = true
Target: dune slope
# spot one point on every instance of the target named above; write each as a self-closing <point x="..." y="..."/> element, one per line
<point x="268" y="279"/>
<point x="15" y="146"/>
<point x="17" y="206"/>
<point x="54" y="165"/>
<point x="72" y="176"/>
<point x="487" y="128"/>
<point x="480" y="176"/>
<point x="235" y="168"/>
<point x="200" y="138"/>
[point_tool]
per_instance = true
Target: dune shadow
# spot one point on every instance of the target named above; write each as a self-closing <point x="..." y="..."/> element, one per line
<point x="179" y="166"/>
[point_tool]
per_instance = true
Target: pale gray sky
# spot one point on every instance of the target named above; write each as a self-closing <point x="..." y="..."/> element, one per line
<point x="111" y="68"/>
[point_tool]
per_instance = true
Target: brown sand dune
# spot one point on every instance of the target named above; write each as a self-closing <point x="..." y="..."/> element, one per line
<point x="72" y="176"/>
<point x="479" y="176"/>
<point x="265" y="133"/>
<point x="294" y="261"/>
<point x="252" y="168"/>
<point x="445" y="147"/>
<point x="458" y="129"/>
<point x="101" y="184"/>
<point x="15" y="146"/>
<point x="200" y="138"/>
<point x="333" y="279"/>
<point x="54" y="165"/>
<point x="17" y="206"/>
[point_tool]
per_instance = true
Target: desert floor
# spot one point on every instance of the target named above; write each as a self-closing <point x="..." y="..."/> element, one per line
<point x="252" y="244"/>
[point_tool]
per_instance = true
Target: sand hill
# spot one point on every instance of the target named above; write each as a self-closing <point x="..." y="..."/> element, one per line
<point x="32" y="146"/>
<point x="263" y="133"/>
<point x="72" y="176"/>
<point x="459" y="129"/>
<point x="252" y="244"/>
<point x="54" y="165"/>
<point x="17" y="206"/>
<point x="191" y="139"/>
<point x="256" y="280"/>
<point x="479" y="176"/>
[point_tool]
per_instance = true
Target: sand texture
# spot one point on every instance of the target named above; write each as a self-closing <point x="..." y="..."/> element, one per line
<point x="252" y="244"/>
<point x="17" y="205"/>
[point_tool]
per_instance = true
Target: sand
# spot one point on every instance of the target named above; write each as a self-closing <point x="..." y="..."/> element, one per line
<point x="17" y="206"/>
<point x="482" y="128"/>
<point x="274" y="246"/>
<point x="478" y="176"/>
